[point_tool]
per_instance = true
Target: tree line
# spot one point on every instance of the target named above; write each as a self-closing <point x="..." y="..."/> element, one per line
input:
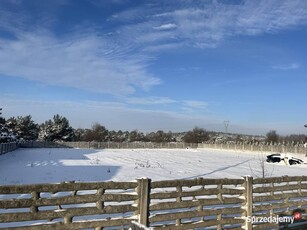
<point x="59" y="129"/>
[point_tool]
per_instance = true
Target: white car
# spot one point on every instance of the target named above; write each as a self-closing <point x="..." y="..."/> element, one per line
<point x="288" y="159"/>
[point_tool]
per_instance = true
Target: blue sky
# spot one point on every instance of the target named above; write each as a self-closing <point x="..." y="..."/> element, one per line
<point x="151" y="65"/>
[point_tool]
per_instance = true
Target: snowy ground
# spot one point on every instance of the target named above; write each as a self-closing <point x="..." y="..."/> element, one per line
<point x="28" y="166"/>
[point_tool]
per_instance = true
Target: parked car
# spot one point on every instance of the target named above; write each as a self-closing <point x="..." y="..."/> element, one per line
<point x="288" y="159"/>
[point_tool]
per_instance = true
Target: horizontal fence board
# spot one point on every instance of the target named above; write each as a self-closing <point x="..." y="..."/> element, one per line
<point x="199" y="192"/>
<point x="279" y="179"/>
<point x="201" y="224"/>
<point x="194" y="213"/>
<point x="61" y="213"/>
<point x="279" y="188"/>
<point x="78" y="199"/>
<point x="266" y="207"/>
<point x="265" y="226"/>
<point x="281" y="196"/>
<point x="63" y="187"/>
<point x="78" y="225"/>
<point x="192" y="204"/>
<point x="195" y="182"/>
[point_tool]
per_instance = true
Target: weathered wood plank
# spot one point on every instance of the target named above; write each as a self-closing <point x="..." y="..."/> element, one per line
<point x="198" y="192"/>
<point x="279" y="179"/>
<point x="193" y="203"/>
<point x="61" y="213"/>
<point x="195" y="182"/>
<point x="276" y="197"/>
<point x="262" y="207"/>
<point x="78" y="225"/>
<point x="63" y="187"/>
<point x="77" y="199"/>
<point x="194" y="213"/>
<point x="266" y="226"/>
<point x="200" y="224"/>
<point x="277" y="188"/>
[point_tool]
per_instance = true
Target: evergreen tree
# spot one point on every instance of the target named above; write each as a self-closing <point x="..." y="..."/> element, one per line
<point x="160" y="136"/>
<point x="57" y="129"/>
<point x="135" y="135"/>
<point x="23" y="127"/>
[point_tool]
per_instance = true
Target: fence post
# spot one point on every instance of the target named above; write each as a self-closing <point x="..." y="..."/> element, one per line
<point x="248" y="185"/>
<point x="144" y="200"/>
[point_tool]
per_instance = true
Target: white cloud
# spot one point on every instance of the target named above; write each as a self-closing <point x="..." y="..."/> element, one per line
<point x="88" y="62"/>
<point x="150" y="100"/>
<point x="117" y="62"/>
<point x="169" y="26"/>
<point x="195" y="104"/>
<point x="291" y="66"/>
<point x="206" y="24"/>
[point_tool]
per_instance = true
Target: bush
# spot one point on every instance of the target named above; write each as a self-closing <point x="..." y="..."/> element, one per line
<point x="197" y="135"/>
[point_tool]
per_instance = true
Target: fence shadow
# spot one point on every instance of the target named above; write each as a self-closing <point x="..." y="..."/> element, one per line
<point x="217" y="170"/>
<point x="54" y="165"/>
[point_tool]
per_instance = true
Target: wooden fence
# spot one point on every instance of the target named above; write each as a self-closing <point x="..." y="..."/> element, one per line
<point x="173" y="204"/>
<point x="69" y="205"/>
<point x="107" y="145"/>
<point x="258" y="147"/>
<point x="239" y="146"/>
<point x="8" y="147"/>
<point x="278" y="196"/>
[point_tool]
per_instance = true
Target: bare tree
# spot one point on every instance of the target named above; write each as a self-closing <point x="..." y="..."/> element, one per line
<point x="261" y="170"/>
<point x="272" y="136"/>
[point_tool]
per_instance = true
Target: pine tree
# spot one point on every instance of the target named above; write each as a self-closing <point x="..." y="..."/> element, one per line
<point x="57" y="129"/>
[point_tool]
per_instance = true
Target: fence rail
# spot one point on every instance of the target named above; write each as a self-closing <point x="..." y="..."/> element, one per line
<point x="8" y="147"/>
<point x="171" y="204"/>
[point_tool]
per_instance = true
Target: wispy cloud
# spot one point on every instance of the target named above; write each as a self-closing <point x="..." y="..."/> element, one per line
<point x="195" y="104"/>
<point x="150" y="100"/>
<point x="116" y="61"/>
<point x="291" y="66"/>
<point x="207" y="23"/>
<point x="87" y="61"/>
<point x="166" y="26"/>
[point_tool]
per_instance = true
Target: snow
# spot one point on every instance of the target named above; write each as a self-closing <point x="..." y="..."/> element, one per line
<point x="51" y="165"/>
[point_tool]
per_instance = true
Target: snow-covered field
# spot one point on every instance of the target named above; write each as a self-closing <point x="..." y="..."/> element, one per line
<point x="29" y="166"/>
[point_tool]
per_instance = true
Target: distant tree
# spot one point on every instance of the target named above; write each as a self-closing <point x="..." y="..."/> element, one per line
<point x="5" y="134"/>
<point x="272" y="136"/>
<point x="11" y="123"/>
<point x="57" y="129"/>
<point x="239" y="138"/>
<point x="197" y="135"/>
<point x="294" y="138"/>
<point x="118" y="136"/>
<point x="159" y="136"/>
<point x="25" y="128"/>
<point x="97" y="133"/>
<point x="2" y="120"/>
<point x="135" y="135"/>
